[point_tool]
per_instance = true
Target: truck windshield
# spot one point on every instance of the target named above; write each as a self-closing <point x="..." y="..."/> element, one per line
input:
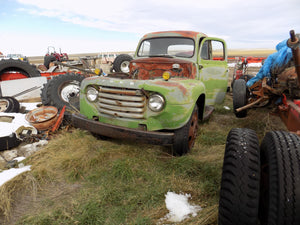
<point x="167" y="47"/>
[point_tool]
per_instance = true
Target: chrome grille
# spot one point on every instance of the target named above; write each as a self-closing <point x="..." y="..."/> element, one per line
<point x="121" y="102"/>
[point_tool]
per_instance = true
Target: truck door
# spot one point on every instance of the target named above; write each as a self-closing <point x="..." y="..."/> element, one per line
<point x="213" y="70"/>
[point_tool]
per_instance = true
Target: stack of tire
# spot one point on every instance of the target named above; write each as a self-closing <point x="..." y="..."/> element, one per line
<point x="260" y="184"/>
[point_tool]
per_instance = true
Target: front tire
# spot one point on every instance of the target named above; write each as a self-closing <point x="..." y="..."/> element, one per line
<point x="239" y="194"/>
<point x="185" y="136"/>
<point x="280" y="186"/>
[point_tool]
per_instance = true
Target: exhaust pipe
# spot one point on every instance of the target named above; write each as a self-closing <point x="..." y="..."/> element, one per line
<point x="294" y="44"/>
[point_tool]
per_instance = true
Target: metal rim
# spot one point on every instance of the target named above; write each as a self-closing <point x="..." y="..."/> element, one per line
<point x="69" y="90"/>
<point x="4" y="103"/>
<point x="125" y="66"/>
<point x="193" y="129"/>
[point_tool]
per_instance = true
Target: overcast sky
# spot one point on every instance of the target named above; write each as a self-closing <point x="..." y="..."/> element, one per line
<point x="88" y="26"/>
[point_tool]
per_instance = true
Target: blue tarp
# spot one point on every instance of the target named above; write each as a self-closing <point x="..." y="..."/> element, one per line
<point x="277" y="59"/>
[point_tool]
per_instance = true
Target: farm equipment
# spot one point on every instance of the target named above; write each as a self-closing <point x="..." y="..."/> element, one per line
<point x="241" y="68"/>
<point x="278" y="82"/>
<point x="58" y="56"/>
<point x="261" y="183"/>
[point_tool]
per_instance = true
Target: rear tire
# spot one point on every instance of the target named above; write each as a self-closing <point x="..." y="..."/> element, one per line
<point x="239" y="97"/>
<point x="239" y="194"/>
<point x="280" y="186"/>
<point x="48" y="59"/>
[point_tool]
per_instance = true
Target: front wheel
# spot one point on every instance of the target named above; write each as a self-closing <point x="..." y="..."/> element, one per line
<point x="185" y="136"/>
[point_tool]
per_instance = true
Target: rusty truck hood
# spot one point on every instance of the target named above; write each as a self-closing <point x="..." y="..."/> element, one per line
<point x="154" y="67"/>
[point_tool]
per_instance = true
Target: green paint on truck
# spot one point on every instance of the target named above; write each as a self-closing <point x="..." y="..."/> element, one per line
<point x="171" y="79"/>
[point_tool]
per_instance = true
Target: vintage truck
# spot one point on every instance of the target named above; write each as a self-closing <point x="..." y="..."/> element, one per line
<point x="173" y="77"/>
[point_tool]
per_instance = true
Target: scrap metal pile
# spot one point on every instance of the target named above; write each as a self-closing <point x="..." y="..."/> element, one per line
<point x="277" y="83"/>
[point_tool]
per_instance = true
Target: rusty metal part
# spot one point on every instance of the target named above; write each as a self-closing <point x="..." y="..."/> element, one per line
<point x="149" y="68"/>
<point x="251" y="104"/>
<point x="293" y="43"/>
<point x="150" y="137"/>
<point x="59" y="119"/>
<point x="75" y="67"/>
<point x="290" y="115"/>
<point x="42" y="118"/>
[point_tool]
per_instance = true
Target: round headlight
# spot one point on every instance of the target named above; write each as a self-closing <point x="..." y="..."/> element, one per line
<point x="92" y="94"/>
<point x="156" y="102"/>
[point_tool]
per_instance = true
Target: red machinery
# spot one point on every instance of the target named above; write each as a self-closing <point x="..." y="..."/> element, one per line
<point x="59" y="56"/>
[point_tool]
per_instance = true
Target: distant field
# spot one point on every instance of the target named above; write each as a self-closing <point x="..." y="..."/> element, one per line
<point x="250" y="52"/>
<point x="231" y="52"/>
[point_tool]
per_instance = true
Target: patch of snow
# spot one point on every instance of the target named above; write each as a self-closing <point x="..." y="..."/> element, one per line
<point x="7" y="175"/>
<point x="30" y="105"/>
<point x="179" y="207"/>
<point x="19" y="159"/>
<point x="18" y="121"/>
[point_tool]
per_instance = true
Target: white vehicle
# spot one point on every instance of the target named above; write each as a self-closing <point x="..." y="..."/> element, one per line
<point x="16" y="56"/>
<point x="107" y="58"/>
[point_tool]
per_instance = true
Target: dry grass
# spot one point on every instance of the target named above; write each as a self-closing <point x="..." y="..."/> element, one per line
<point x="77" y="177"/>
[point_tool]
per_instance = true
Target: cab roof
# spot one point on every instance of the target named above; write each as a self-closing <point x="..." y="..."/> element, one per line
<point x="190" y="34"/>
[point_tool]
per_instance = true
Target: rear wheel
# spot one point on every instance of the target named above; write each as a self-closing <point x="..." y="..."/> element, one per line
<point x="48" y="59"/>
<point x="239" y="97"/>
<point x="185" y="137"/>
<point x="280" y="186"/>
<point x="239" y="194"/>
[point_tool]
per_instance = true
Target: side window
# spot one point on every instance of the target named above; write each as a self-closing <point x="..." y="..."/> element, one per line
<point x="218" y="51"/>
<point x="212" y="50"/>
<point x="205" y="51"/>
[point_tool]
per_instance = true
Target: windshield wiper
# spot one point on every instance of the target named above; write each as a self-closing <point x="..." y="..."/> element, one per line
<point x="161" y="55"/>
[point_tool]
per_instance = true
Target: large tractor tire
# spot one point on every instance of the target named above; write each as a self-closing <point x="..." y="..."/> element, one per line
<point x="63" y="90"/>
<point x="185" y="136"/>
<point x="240" y="184"/>
<point x="239" y="96"/>
<point x="280" y="180"/>
<point x="121" y="63"/>
<point x="12" y="65"/>
<point x="48" y="59"/>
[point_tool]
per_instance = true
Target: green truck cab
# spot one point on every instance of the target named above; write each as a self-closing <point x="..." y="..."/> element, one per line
<point x="173" y="77"/>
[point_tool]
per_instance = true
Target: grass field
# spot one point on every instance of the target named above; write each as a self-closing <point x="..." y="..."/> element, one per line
<point x="78" y="179"/>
